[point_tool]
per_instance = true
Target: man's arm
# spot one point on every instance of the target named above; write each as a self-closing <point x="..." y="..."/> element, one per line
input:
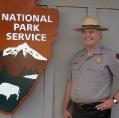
<point x="114" y="68"/>
<point x="67" y="100"/>
<point x="109" y="103"/>
<point x="116" y="96"/>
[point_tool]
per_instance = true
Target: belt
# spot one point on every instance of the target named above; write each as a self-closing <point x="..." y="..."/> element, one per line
<point x="86" y="107"/>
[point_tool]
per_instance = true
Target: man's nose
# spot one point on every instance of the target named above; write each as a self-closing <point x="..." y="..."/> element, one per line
<point x="87" y="34"/>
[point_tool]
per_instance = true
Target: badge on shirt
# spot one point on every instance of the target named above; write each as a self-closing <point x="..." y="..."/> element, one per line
<point x="98" y="59"/>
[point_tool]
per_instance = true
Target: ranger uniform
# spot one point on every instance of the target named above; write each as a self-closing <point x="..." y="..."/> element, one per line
<point x="93" y="75"/>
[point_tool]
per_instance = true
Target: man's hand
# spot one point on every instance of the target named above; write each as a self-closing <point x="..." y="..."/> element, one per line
<point x="67" y="114"/>
<point x="106" y="104"/>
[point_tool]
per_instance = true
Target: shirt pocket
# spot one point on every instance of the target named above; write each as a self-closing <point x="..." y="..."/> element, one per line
<point x="95" y="67"/>
<point x="75" y="66"/>
<point x="75" y="69"/>
<point x="96" y="71"/>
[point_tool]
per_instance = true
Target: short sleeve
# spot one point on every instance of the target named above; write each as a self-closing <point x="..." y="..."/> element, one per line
<point x="114" y="65"/>
<point x="69" y="73"/>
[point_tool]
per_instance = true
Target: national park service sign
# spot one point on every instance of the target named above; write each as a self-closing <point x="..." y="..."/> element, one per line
<point x="27" y="32"/>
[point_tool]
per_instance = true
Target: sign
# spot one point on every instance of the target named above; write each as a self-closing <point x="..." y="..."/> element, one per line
<point x="27" y="33"/>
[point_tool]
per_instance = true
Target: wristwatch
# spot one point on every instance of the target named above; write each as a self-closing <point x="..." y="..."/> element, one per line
<point x="114" y="100"/>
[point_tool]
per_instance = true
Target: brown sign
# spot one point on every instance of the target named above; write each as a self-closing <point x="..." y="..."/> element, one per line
<point x="27" y="32"/>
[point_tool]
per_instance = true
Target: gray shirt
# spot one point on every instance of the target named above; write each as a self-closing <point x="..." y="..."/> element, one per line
<point x="92" y="76"/>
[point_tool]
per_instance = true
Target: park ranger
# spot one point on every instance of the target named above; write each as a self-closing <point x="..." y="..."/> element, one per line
<point x="91" y="75"/>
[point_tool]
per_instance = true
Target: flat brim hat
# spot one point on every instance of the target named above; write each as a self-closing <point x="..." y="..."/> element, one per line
<point x="91" y="22"/>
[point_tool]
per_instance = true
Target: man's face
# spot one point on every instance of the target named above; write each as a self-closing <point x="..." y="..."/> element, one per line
<point x="90" y="37"/>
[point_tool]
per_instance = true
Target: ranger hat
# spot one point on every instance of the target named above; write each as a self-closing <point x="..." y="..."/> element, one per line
<point x="91" y="22"/>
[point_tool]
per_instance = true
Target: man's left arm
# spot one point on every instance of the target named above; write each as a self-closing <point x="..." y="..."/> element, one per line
<point x="113" y="65"/>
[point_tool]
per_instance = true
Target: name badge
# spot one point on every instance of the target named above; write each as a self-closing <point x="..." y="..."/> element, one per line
<point x="98" y="59"/>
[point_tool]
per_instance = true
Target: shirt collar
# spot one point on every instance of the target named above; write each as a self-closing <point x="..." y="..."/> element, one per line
<point x="97" y="51"/>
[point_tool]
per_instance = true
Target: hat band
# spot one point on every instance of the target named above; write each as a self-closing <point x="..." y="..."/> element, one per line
<point x="91" y="26"/>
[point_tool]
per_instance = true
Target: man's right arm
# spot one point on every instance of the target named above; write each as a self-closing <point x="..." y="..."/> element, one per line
<point x="67" y="100"/>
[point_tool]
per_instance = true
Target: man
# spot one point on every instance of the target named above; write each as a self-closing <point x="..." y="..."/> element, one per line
<point x="92" y="72"/>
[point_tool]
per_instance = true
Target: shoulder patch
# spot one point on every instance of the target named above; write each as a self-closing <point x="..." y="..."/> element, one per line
<point x="117" y="56"/>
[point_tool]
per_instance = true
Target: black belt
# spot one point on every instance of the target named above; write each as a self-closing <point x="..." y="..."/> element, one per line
<point x="86" y="107"/>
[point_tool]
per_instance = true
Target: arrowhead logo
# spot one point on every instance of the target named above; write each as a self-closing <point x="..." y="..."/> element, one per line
<point x="27" y="32"/>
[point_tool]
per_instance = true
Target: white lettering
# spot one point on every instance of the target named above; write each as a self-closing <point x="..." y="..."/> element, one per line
<point x="16" y="26"/>
<point x="27" y="27"/>
<point x="49" y="19"/>
<point x="26" y="17"/>
<point x="12" y="17"/>
<point x="25" y="36"/>
<point x="5" y="17"/>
